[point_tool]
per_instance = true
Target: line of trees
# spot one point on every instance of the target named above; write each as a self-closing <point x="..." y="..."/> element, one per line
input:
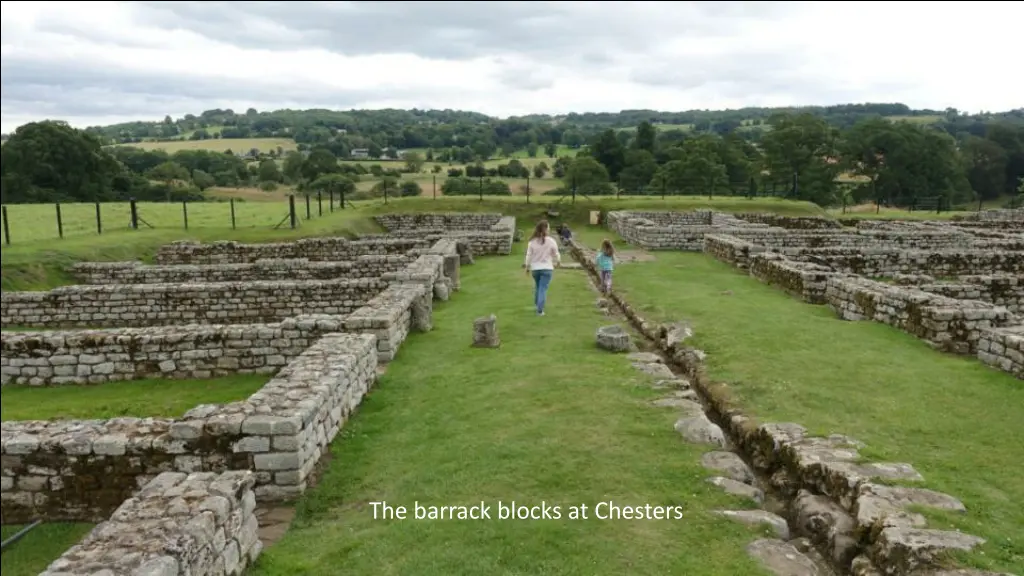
<point x="800" y="155"/>
<point x="896" y="163"/>
<point x="459" y="133"/>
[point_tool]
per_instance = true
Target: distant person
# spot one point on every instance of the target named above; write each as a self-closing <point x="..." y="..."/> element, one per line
<point x="565" y="233"/>
<point x="541" y="258"/>
<point x="605" y="264"/>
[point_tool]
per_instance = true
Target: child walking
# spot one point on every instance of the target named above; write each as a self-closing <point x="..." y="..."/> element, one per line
<point x="605" y="265"/>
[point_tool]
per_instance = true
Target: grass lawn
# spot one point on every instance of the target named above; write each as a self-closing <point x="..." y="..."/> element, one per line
<point x="546" y="418"/>
<point x="37" y="549"/>
<point x="163" y="398"/>
<point x="960" y="423"/>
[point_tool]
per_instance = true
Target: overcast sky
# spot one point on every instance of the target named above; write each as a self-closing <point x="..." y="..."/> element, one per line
<point x="102" y="62"/>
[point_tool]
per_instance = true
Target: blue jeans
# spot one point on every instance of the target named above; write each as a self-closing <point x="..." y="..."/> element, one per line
<point x="541" y="281"/>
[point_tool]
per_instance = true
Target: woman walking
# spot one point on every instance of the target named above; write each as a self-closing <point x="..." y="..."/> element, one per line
<point x="541" y="258"/>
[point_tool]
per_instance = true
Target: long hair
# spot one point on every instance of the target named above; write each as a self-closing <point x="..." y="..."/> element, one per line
<point x="607" y="248"/>
<point x="541" y="231"/>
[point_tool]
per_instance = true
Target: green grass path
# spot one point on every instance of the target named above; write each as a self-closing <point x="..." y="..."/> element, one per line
<point x="960" y="423"/>
<point x="548" y="417"/>
<point x="139" y="398"/>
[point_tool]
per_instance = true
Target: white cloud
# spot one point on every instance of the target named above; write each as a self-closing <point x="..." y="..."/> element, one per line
<point x="101" y="62"/>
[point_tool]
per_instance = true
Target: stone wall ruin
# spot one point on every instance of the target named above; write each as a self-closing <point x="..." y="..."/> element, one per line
<point x="319" y="315"/>
<point x="956" y="285"/>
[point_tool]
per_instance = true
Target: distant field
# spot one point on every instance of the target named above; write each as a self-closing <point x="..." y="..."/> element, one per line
<point x="31" y="222"/>
<point x="932" y="119"/>
<point x="218" y="145"/>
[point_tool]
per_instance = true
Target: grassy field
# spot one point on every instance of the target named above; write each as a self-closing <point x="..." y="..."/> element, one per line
<point x="156" y="398"/>
<point x="44" y="544"/>
<point x="545" y="418"/>
<point x="957" y="421"/>
<point x="927" y="119"/>
<point x="31" y="222"/>
<point x="220" y="145"/>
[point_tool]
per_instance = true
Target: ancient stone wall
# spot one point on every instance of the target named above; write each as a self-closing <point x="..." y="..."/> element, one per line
<point x="493" y="234"/>
<point x="731" y="249"/>
<point x="369" y="266"/>
<point x="790" y="222"/>
<point x="1000" y="289"/>
<point x="804" y="280"/>
<point x="443" y="221"/>
<point x="313" y="249"/>
<point x="136" y="305"/>
<point x="175" y="352"/>
<point x="390" y="316"/>
<point x="83" y="470"/>
<point x="1003" y="348"/>
<point x="953" y="325"/>
<point x="1002" y="215"/>
<point x="178" y="524"/>
<point x="888" y="262"/>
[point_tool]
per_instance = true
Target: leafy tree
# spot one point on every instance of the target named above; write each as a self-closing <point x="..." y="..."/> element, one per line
<point x="531" y="150"/>
<point x="47" y="161"/>
<point x="339" y="184"/>
<point x="609" y="151"/>
<point x="170" y="173"/>
<point x="473" y="186"/>
<point x="320" y="161"/>
<point x="645" y="137"/>
<point x="986" y="163"/>
<point x="587" y="176"/>
<point x="293" y="162"/>
<point x="698" y="169"/>
<point x="640" y="167"/>
<point x="203" y="180"/>
<point x="410" y="188"/>
<point x="269" y="171"/>
<point x="550" y="150"/>
<point x="413" y="161"/>
<point x="803" y="145"/>
<point x="540" y="170"/>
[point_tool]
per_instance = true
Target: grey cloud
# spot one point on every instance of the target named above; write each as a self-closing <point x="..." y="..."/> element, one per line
<point x="737" y="74"/>
<point x="78" y="90"/>
<point x="459" y="30"/>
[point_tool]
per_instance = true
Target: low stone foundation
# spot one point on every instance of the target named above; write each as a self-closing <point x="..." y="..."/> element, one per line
<point x="999" y="289"/>
<point x="82" y="470"/>
<point x="790" y="222"/>
<point x="390" y="316"/>
<point x="888" y="262"/>
<point x="953" y="325"/>
<point x="313" y="249"/>
<point x="135" y="305"/>
<point x="731" y="249"/>
<point x="804" y="280"/>
<point x="178" y="524"/>
<point x="371" y="266"/>
<point x="1003" y="348"/>
<point x="176" y="352"/>
<point x="443" y="221"/>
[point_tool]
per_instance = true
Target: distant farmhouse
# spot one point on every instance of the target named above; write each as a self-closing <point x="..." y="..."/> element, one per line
<point x="360" y="153"/>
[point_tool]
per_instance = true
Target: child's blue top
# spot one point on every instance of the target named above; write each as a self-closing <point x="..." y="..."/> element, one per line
<point x="605" y="262"/>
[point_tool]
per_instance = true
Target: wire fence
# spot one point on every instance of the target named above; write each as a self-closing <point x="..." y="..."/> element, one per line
<point x="24" y="223"/>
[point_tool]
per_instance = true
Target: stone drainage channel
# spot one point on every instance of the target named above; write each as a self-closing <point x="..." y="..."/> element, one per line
<point x="828" y="514"/>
